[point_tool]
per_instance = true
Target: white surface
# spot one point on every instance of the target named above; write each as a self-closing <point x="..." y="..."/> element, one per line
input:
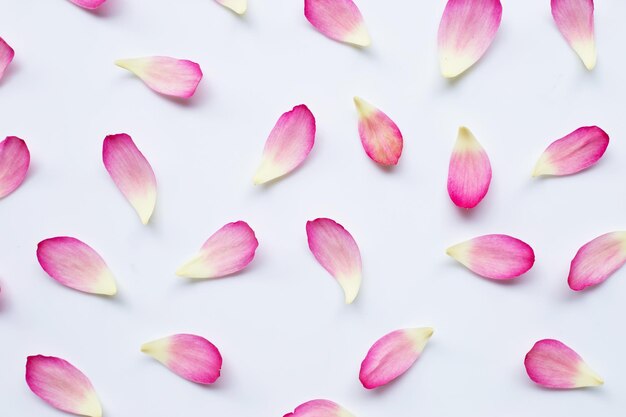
<point x="282" y="327"/>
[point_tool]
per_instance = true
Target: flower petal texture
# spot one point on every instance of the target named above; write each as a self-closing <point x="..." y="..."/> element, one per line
<point x="288" y="144"/>
<point x="63" y="386"/>
<point x="597" y="260"/>
<point x="380" y="136"/>
<point x="76" y="265"/>
<point x="393" y="355"/>
<point x="6" y="56"/>
<point x="340" y="20"/>
<point x="574" y="18"/>
<point x="88" y="4"/>
<point x="319" y="408"/>
<point x="467" y="29"/>
<point x="227" y="251"/>
<point x="336" y="250"/>
<point x="237" y="6"/>
<point x="14" y="163"/>
<point x="552" y="364"/>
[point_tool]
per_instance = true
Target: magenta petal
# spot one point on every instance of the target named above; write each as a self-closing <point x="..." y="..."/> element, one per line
<point x="14" y="163"/>
<point x="319" y="408"/>
<point x="597" y="260"/>
<point x="574" y="18"/>
<point x="6" y="56"/>
<point x="340" y="20"/>
<point x="88" y="4"/>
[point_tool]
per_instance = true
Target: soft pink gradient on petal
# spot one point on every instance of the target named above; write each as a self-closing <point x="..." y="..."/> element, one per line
<point x="237" y="6"/>
<point x="88" y="4"/>
<point x="62" y="385"/>
<point x="319" y="408"/>
<point x="380" y="136"/>
<point x="14" y="163"/>
<point x="597" y="260"/>
<point x="574" y="18"/>
<point x="340" y="20"/>
<point x="6" y="56"/>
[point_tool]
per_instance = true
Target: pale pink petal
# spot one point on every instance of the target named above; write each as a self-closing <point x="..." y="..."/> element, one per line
<point x="469" y="174"/>
<point x="131" y="172"/>
<point x="237" y="6"/>
<point x="88" y="4"/>
<point x="552" y="364"/>
<point x="319" y="408"/>
<point x="340" y="20"/>
<point x="75" y="265"/>
<point x="14" y="163"/>
<point x="574" y="18"/>
<point x="467" y="29"/>
<point x="227" y="251"/>
<point x="62" y="385"/>
<point x="499" y="257"/>
<point x="288" y="144"/>
<point x="597" y="260"/>
<point x="573" y="153"/>
<point x="6" y="56"/>
<point x="165" y="75"/>
<point x="335" y="249"/>
<point x="380" y="136"/>
<point x="192" y="357"/>
<point x="393" y="355"/>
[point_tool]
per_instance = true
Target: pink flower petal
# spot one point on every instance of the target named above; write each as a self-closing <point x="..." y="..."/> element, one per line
<point x="227" y="251"/>
<point x="237" y="6"/>
<point x="573" y="153"/>
<point x="340" y="20"/>
<point x="574" y="18"/>
<point x="469" y="174"/>
<point x="14" y="163"/>
<point x="88" y="4"/>
<point x="288" y="145"/>
<point x="319" y="408"/>
<point x="62" y="385"/>
<point x="380" y="136"/>
<point x="335" y="249"/>
<point x="6" y="56"/>
<point x="597" y="260"/>
<point x="552" y="364"/>
<point x="499" y="257"/>
<point x="165" y="75"/>
<point x="393" y="355"/>
<point x="467" y="29"/>
<point x="131" y="172"/>
<point x="192" y="357"/>
<point x="75" y="265"/>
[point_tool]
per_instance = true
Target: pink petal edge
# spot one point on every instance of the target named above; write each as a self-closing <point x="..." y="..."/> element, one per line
<point x="88" y="4"/>
<point x="319" y="408"/>
<point x="574" y="18"/>
<point x="340" y="20"/>
<point x="380" y="136"/>
<point x="6" y="56"/>
<point x="14" y="163"/>
<point x="597" y="260"/>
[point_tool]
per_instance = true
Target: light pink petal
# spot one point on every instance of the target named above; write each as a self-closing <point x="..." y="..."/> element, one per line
<point x="597" y="260"/>
<point x="165" y="75"/>
<point x="75" y="265"/>
<point x="340" y="20"/>
<point x="380" y="136"/>
<point x="499" y="257"/>
<point x="237" y="6"/>
<point x="61" y="385"/>
<point x="319" y="408"/>
<point x="467" y="29"/>
<point x="192" y="357"/>
<point x="574" y="18"/>
<point x="393" y="355"/>
<point x="227" y="251"/>
<point x="88" y="4"/>
<point x="552" y="364"/>
<point x="335" y="249"/>
<point x="14" y="163"/>
<point x="6" y="56"/>
<point x="288" y="145"/>
<point x="573" y="153"/>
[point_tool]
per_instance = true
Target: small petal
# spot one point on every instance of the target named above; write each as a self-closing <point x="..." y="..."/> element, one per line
<point x="467" y="29"/>
<point x="88" y="4"/>
<point x="227" y="251"/>
<point x="573" y="153"/>
<point x="6" y="56"/>
<point x="62" y="385"/>
<point x="380" y="136"/>
<point x="288" y="144"/>
<point x="340" y="20"/>
<point x="335" y="249"/>
<point x="469" y="174"/>
<point x="552" y="364"/>
<point x="319" y="408"/>
<point x="165" y="75"/>
<point x="597" y="260"/>
<point x="499" y="257"/>
<point x="75" y="265"/>
<point x="237" y="6"/>
<point x="191" y="357"/>
<point x="393" y="355"/>
<point x="14" y="163"/>
<point x="574" y="18"/>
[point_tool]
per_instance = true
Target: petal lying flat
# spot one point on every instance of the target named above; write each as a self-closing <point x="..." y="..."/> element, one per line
<point x="574" y="18"/>
<point x="165" y="75"/>
<point x="597" y="260"/>
<point x="288" y="144"/>
<point x="380" y="136"/>
<point x="552" y="364"/>
<point x="75" y="265"/>
<point x="319" y="408"/>
<point x="573" y="153"/>
<point x="467" y="29"/>
<point x="499" y="257"/>
<point x="340" y="20"/>
<point x="61" y="385"/>
<point x="335" y="249"/>
<point x="393" y="355"/>
<point x="131" y="172"/>
<point x="6" y="56"/>
<point x="237" y="6"/>
<point x="14" y="163"/>
<point x="88" y="4"/>
<point x="192" y="357"/>
<point x="227" y="251"/>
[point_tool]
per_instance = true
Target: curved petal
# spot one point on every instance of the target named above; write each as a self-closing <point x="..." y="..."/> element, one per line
<point x="319" y="408"/>
<point x="88" y="4"/>
<point x="237" y="6"/>
<point x="597" y="260"/>
<point x="6" y="56"/>
<point x="574" y="18"/>
<point x="14" y="163"/>
<point x="340" y="20"/>
<point x="380" y="136"/>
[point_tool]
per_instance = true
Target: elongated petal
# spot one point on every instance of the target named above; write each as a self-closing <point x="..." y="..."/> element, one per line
<point x="380" y="136"/>
<point x="469" y="174"/>
<point x="165" y="75"/>
<point x="14" y="163"/>
<point x="340" y="20"/>
<point x="573" y="153"/>
<point x="597" y="260"/>
<point x="288" y="144"/>
<point x="393" y="355"/>
<point x="227" y="251"/>
<point x="499" y="257"/>
<point x="6" y="56"/>
<point x="88" y="4"/>
<point x="574" y="18"/>
<point x="237" y="6"/>
<point x="62" y="385"/>
<point x="552" y="364"/>
<point x="335" y="249"/>
<point x="192" y="357"/>
<point x="319" y="408"/>
<point x="75" y="265"/>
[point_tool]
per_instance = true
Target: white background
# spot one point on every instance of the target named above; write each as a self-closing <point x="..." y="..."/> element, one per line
<point x="281" y="325"/>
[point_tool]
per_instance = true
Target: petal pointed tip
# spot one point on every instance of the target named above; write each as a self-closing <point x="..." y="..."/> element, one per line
<point x="340" y="20"/>
<point x="575" y="21"/>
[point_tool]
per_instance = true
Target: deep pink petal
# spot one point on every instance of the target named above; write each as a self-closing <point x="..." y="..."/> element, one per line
<point x="574" y="18"/>
<point x="6" y="56"/>
<point x="319" y="408"/>
<point x="340" y="20"/>
<point x="380" y="136"/>
<point x="597" y="260"/>
<point x="88" y="4"/>
<point x="14" y="163"/>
